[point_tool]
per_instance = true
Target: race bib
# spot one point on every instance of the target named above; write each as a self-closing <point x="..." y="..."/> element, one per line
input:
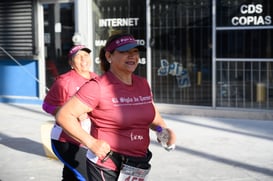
<point x="129" y="173"/>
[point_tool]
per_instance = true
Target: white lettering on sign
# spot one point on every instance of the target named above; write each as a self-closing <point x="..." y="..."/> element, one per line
<point x="99" y="43"/>
<point x="254" y="19"/>
<point x="251" y="9"/>
<point x="118" y="22"/>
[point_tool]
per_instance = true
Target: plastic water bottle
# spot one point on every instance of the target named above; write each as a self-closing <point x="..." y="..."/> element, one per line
<point x="163" y="136"/>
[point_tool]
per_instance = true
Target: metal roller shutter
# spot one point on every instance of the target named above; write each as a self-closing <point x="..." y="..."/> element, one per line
<point x="16" y="28"/>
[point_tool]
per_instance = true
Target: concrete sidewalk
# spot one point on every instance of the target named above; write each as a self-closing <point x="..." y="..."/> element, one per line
<point x="208" y="149"/>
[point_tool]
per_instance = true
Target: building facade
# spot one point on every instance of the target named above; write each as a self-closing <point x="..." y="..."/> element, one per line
<point x="201" y="54"/>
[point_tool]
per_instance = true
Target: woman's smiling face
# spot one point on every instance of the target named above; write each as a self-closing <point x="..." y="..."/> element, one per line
<point x="126" y="61"/>
<point x="81" y="61"/>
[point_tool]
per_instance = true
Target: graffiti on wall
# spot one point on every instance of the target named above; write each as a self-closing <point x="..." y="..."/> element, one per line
<point x="175" y="69"/>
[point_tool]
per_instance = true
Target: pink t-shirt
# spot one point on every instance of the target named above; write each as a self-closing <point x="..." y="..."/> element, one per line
<point x="65" y="86"/>
<point x="121" y="113"/>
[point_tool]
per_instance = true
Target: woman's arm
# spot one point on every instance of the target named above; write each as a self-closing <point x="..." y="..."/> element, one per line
<point x="158" y="121"/>
<point x="67" y="116"/>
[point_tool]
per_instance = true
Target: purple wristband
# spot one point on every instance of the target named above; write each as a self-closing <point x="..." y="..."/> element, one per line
<point x="49" y="108"/>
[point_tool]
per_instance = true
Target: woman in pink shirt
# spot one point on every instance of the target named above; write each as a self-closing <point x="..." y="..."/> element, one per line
<point x="67" y="149"/>
<point x="122" y="111"/>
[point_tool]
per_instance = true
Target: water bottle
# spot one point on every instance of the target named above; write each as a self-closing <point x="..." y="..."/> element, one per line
<point x="163" y="136"/>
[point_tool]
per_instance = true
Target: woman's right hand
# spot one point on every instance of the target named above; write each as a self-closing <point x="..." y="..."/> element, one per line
<point x="100" y="148"/>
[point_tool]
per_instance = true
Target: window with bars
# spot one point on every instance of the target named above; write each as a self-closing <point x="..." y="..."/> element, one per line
<point x="181" y="51"/>
<point x="244" y="57"/>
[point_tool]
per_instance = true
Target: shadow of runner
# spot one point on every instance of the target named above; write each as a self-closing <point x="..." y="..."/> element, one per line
<point x="22" y="144"/>
<point x="226" y="161"/>
<point x="246" y="125"/>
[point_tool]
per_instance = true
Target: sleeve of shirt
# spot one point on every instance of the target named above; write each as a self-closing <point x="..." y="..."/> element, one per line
<point x="57" y="94"/>
<point x="89" y="93"/>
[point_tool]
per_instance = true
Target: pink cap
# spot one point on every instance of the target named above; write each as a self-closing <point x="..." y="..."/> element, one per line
<point x="77" y="48"/>
<point x="124" y="43"/>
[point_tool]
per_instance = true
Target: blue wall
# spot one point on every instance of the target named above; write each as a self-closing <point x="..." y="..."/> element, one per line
<point x="17" y="83"/>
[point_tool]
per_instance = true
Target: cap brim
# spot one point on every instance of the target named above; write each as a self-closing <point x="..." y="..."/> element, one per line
<point x="86" y="49"/>
<point x="130" y="46"/>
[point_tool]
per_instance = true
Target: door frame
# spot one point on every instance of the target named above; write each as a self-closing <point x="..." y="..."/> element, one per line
<point x="83" y="27"/>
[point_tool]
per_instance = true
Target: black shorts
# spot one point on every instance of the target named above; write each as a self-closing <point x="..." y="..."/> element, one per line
<point x="98" y="173"/>
<point x="73" y="158"/>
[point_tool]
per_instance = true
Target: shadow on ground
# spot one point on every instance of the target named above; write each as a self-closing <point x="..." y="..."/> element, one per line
<point x="22" y="144"/>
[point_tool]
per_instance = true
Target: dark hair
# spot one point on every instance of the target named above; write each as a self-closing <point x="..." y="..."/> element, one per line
<point x="104" y="64"/>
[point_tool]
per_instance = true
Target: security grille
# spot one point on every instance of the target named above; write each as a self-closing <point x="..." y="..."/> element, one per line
<point x="16" y="32"/>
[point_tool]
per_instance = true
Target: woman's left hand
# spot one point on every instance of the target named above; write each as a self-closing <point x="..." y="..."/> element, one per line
<point x="172" y="137"/>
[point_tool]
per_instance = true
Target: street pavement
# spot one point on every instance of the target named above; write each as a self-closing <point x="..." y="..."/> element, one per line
<point x="208" y="149"/>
